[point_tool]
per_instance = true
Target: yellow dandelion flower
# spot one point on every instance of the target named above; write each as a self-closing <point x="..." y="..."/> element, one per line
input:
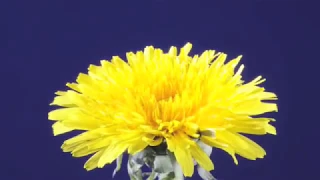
<point x="166" y="110"/>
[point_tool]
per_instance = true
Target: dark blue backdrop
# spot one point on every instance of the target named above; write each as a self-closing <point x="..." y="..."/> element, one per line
<point x="50" y="42"/>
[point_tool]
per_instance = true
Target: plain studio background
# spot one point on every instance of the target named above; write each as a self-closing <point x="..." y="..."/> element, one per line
<point x="50" y="42"/>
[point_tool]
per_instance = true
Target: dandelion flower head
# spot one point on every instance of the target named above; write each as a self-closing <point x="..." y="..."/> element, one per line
<point x="167" y="110"/>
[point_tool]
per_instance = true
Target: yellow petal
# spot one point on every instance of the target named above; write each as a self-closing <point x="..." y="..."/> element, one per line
<point x="258" y="126"/>
<point x="215" y="143"/>
<point x="242" y="145"/>
<point x="62" y="114"/>
<point x="59" y="128"/>
<point x="183" y="155"/>
<point x="254" y="107"/>
<point x="201" y="157"/>
<point x="137" y="146"/>
<point x="112" y="153"/>
<point x="271" y="129"/>
<point x="92" y="163"/>
<point x="66" y="99"/>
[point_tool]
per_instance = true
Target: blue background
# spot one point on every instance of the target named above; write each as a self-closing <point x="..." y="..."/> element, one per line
<point x="50" y="42"/>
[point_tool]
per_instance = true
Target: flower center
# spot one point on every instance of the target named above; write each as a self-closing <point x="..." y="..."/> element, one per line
<point x="168" y="128"/>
